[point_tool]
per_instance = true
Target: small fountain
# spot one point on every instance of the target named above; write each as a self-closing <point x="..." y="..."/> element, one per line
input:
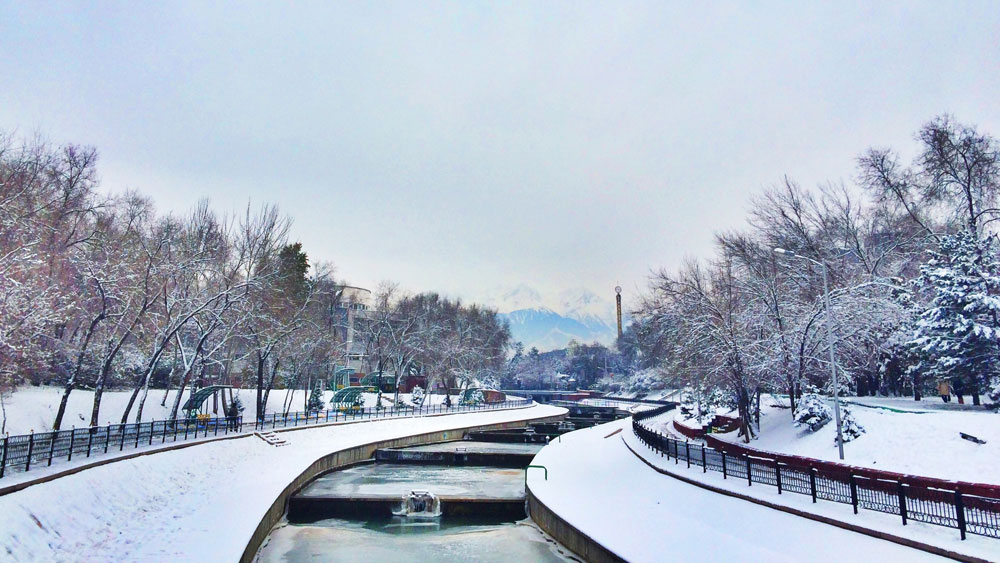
<point x="419" y="504"/>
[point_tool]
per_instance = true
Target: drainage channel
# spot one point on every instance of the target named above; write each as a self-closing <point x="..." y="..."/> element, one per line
<point x="453" y="501"/>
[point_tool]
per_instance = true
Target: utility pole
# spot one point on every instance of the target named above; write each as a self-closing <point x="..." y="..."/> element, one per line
<point x="830" y="341"/>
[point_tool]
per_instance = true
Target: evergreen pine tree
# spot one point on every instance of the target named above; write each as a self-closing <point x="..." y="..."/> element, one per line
<point x="958" y="336"/>
<point x="315" y="402"/>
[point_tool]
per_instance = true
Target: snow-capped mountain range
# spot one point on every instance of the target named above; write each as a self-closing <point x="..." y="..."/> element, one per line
<point x="550" y="323"/>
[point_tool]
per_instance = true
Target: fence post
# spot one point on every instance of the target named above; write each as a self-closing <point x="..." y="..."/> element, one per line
<point x="749" y="473"/>
<point x="31" y="447"/>
<point x="960" y="512"/>
<point x="812" y="482"/>
<point x="72" y="437"/>
<point x="704" y="466"/>
<point x="854" y="493"/>
<point x="90" y="439"/>
<point x="687" y="452"/>
<point x="52" y="445"/>
<point x="152" y="425"/>
<point x="185" y="430"/>
<point x="107" y="438"/>
<point x="723" y="464"/>
<point x="902" y="500"/>
<point x="777" y="474"/>
<point x="3" y="456"/>
<point x="676" y="453"/>
<point x="138" y="431"/>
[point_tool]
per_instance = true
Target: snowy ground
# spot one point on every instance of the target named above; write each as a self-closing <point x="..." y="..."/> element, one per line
<point x="947" y="538"/>
<point x="926" y="443"/>
<point x="621" y="405"/>
<point x="600" y="487"/>
<point x="196" y="504"/>
<point x="654" y="395"/>
<point x="34" y="408"/>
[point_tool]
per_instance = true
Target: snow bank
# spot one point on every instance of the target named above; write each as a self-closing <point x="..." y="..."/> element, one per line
<point x="926" y="444"/>
<point x="597" y="485"/>
<point x="197" y="504"/>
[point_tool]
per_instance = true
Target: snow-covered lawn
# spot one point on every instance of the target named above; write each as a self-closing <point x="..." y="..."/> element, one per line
<point x="34" y="408"/>
<point x="196" y="504"/>
<point x="597" y="485"/>
<point x="926" y="444"/>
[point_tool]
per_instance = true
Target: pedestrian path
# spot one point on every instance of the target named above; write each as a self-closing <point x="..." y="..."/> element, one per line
<point x="600" y="487"/>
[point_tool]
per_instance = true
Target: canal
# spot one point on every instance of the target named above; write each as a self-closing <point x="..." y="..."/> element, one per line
<point x="355" y="514"/>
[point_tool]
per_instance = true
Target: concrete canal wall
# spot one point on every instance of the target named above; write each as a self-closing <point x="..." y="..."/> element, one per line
<point x="357" y="454"/>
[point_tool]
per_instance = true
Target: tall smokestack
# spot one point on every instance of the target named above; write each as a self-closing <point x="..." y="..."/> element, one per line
<point x="618" y="301"/>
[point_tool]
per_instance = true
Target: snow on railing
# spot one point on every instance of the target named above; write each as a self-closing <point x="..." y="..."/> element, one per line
<point x="969" y="507"/>
<point x="27" y="451"/>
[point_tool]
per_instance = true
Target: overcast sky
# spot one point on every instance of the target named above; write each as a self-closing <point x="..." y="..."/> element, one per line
<point x="463" y="146"/>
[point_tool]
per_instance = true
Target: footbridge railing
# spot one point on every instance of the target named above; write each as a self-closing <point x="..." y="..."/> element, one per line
<point x="968" y="507"/>
<point x="40" y="449"/>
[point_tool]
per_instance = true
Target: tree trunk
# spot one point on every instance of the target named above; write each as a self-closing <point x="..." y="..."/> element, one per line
<point x="270" y="381"/>
<point x="180" y="391"/>
<point x="3" y="414"/>
<point x="71" y="383"/>
<point x="260" y="387"/>
<point x="142" y="401"/>
<point x="131" y="400"/>
<point x="170" y="379"/>
<point x="98" y="392"/>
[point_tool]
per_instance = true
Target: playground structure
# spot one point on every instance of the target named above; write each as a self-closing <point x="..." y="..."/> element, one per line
<point x="193" y="406"/>
<point x="343" y="377"/>
<point x="348" y="399"/>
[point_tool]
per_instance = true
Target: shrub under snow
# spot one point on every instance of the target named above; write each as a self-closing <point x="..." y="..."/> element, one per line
<point x="994" y="392"/>
<point x="417" y="395"/>
<point x="849" y="428"/>
<point x="812" y="411"/>
<point x="475" y="397"/>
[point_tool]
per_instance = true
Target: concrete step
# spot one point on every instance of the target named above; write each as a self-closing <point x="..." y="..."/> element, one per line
<point x="272" y="438"/>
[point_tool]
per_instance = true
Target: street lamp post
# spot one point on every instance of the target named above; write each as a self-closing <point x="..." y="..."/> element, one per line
<point x="829" y="337"/>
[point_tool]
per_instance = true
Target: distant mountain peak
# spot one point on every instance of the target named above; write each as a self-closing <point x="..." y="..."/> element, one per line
<point x="578" y="314"/>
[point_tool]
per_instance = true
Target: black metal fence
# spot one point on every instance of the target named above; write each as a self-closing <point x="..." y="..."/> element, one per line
<point x="969" y="513"/>
<point x="29" y="451"/>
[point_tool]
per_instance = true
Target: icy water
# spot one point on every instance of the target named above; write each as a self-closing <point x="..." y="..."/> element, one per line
<point x="387" y="538"/>
<point x="400" y="539"/>
<point x="391" y="479"/>
<point x="478" y="447"/>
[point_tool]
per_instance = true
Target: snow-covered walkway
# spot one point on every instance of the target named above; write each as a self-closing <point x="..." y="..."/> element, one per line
<point x="195" y="504"/>
<point x="600" y="487"/>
